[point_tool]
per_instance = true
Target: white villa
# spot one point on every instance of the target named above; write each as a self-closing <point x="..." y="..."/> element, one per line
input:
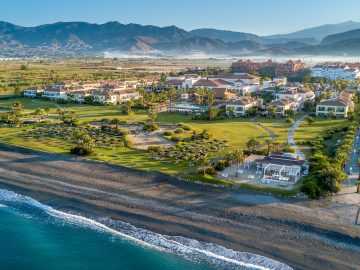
<point x="277" y="167"/>
<point x="337" y="106"/>
<point x="55" y="93"/>
<point x="32" y="92"/>
<point x="241" y="106"/>
<point x="282" y="105"/>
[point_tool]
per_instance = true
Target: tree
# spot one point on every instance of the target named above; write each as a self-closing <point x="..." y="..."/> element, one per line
<point x="269" y="143"/>
<point x="213" y="113"/>
<point x="39" y="113"/>
<point x="289" y="112"/>
<point x="84" y="143"/>
<point x="204" y="164"/>
<point x="152" y="114"/>
<point x="67" y="117"/>
<point x="239" y="157"/>
<point x="172" y="94"/>
<point x="310" y="120"/>
<point x="357" y="186"/>
<point x="252" y="144"/>
<point x="276" y="146"/>
<point x="14" y="116"/>
<point x="271" y="110"/>
<point x="230" y="111"/>
<point x="126" y="107"/>
<point x="47" y="110"/>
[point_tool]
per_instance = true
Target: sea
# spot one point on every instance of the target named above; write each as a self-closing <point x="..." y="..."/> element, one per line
<point x="36" y="236"/>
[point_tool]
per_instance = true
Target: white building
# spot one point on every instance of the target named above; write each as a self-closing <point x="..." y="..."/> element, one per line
<point x="241" y="106"/>
<point x="55" y="94"/>
<point x="338" y="106"/>
<point x="335" y="71"/>
<point x="33" y="92"/>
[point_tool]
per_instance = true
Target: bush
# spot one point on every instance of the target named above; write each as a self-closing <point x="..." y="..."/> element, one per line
<point x="179" y="130"/>
<point x="168" y="133"/>
<point x="175" y="139"/>
<point x="154" y="148"/>
<point x="288" y="149"/>
<point x="221" y="165"/>
<point x="209" y="171"/>
<point x="186" y="127"/>
<point x="81" y="151"/>
<point x="289" y="120"/>
<point x="150" y="127"/>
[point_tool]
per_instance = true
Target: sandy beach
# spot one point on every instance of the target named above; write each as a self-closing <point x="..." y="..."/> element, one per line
<point x="304" y="234"/>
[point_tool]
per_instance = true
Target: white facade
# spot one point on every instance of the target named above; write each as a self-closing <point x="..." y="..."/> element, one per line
<point x="32" y="92"/>
<point x="55" y="94"/>
<point x="333" y="72"/>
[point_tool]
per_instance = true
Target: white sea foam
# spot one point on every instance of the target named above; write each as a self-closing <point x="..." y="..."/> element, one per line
<point x="187" y="248"/>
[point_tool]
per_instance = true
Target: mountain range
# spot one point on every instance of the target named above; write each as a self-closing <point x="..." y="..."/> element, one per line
<point x="81" y="37"/>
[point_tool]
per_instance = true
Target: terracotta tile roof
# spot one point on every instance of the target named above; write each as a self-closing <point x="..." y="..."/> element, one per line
<point x="210" y="83"/>
<point x="221" y="92"/>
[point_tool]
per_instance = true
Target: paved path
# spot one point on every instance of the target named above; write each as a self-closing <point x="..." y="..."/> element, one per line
<point x="352" y="168"/>
<point x="291" y="133"/>
<point x="266" y="129"/>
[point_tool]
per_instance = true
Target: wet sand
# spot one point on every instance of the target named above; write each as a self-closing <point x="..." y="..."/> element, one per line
<point x="304" y="234"/>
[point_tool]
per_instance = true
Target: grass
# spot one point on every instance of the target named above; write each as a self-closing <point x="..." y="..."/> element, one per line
<point x="307" y="132"/>
<point x="273" y="191"/>
<point x="197" y="177"/>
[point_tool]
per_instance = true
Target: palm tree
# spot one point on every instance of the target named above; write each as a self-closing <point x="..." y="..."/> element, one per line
<point x="47" y="110"/>
<point x="152" y="115"/>
<point x="239" y="157"/>
<point x="230" y="111"/>
<point x="269" y="143"/>
<point x="39" y="113"/>
<point x="271" y="110"/>
<point x="276" y="146"/>
<point x="204" y="164"/>
<point x="252" y="143"/>
<point x="358" y="186"/>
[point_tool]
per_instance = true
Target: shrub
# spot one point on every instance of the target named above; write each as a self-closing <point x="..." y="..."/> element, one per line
<point x="154" y="148"/>
<point x="81" y="151"/>
<point x="210" y="171"/>
<point x="186" y="127"/>
<point x="288" y="149"/>
<point x="168" y="133"/>
<point x="289" y="120"/>
<point x="179" y="130"/>
<point x="175" y="139"/>
<point x="150" y="127"/>
<point x="220" y="165"/>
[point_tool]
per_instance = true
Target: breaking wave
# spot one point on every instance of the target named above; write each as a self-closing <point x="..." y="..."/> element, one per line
<point x="193" y="250"/>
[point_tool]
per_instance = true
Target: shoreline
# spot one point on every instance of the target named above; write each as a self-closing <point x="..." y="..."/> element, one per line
<point x="301" y="233"/>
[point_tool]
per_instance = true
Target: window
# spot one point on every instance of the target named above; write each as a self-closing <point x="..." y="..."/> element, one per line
<point x="321" y="108"/>
<point x="340" y="109"/>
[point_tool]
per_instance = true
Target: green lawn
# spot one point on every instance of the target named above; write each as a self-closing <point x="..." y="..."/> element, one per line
<point x="278" y="126"/>
<point x="308" y="132"/>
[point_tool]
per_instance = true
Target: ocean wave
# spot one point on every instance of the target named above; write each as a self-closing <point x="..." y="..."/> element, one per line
<point x="190" y="249"/>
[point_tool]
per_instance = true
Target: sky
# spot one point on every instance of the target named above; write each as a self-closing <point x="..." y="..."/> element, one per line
<point x="263" y="17"/>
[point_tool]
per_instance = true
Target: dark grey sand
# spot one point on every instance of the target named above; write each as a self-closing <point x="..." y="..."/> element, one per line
<point x="302" y="233"/>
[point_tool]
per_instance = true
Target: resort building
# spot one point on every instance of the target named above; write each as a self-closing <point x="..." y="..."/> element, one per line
<point x="55" y="94"/>
<point x="222" y="93"/>
<point x="279" y="167"/>
<point x="240" y="107"/>
<point x="269" y="67"/>
<point x="33" y="92"/>
<point x="338" y="106"/>
<point x="282" y="105"/>
<point x="104" y="97"/>
<point x="333" y="71"/>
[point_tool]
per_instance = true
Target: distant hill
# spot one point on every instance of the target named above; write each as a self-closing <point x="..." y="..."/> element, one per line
<point x="349" y="35"/>
<point x="233" y="36"/>
<point x="319" y="32"/>
<point x="227" y="36"/>
<point x="69" y="38"/>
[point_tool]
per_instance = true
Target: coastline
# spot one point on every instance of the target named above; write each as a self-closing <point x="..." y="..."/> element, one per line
<point x="288" y="230"/>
